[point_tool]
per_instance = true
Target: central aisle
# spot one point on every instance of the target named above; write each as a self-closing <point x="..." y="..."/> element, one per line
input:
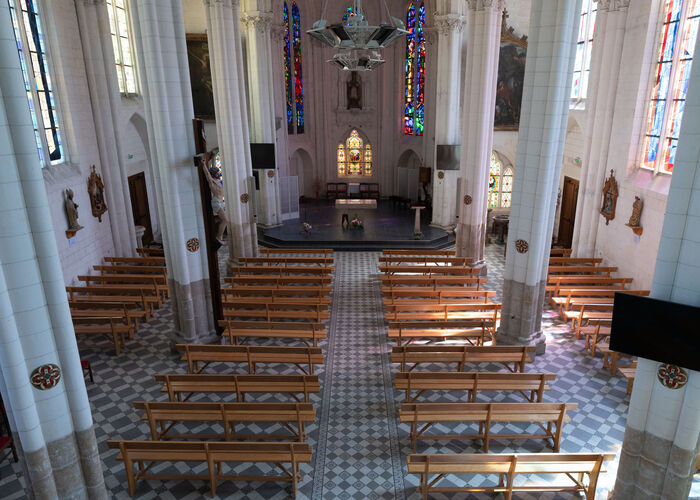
<point x="357" y="453"/>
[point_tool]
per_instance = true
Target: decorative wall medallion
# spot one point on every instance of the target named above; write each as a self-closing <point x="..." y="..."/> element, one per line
<point x="193" y="245"/>
<point x="467" y="199"/>
<point x="244" y="198"/>
<point x="672" y="376"/>
<point x="521" y="246"/>
<point x="270" y="173"/>
<point x="45" y="377"/>
<point x="441" y="174"/>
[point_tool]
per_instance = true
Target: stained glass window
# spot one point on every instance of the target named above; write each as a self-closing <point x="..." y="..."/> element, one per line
<point x="38" y="84"/>
<point x="288" y="78"/>
<point x="354" y="157"/>
<point x="672" y="71"/>
<point x="500" y="184"/>
<point x="119" y="26"/>
<point x="298" y="82"/>
<point x="293" y="79"/>
<point x="584" y="50"/>
<point x="414" y="71"/>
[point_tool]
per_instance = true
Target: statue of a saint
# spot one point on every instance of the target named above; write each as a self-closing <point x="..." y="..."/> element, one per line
<point x="354" y="92"/>
<point x="636" y="212"/>
<point x="72" y="212"/>
<point x="218" y="207"/>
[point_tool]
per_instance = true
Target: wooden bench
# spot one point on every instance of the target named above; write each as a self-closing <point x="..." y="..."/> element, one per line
<point x="281" y="271"/>
<point x="559" y="252"/>
<point x="145" y="454"/>
<point x="126" y="283"/>
<point x="230" y="300"/>
<point x="425" y="260"/>
<point x="462" y="354"/>
<point x="151" y="252"/>
<point x="115" y="310"/>
<point x="473" y="382"/>
<point x="151" y="260"/>
<point x="440" y="293"/>
<point x="113" y="328"/>
<point x="476" y="297"/>
<point x="586" y="313"/>
<point x="109" y="294"/>
<point x="277" y="312"/>
<point x="557" y="284"/>
<point x="434" y="282"/>
<point x="445" y="253"/>
<point x="629" y="372"/>
<point x="474" y="331"/>
<point x="570" y="269"/>
<point x="572" y="465"/>
<point x="295" y="251"/>
<point x="276" y="291"/>
<point x="178" y="384"/>
<point x="422" y="416"/>
<point x="277" y="261"/>
<point x="574" y="261"/>
<point x="428" y="270"/>
<point x="162" y="417"/>
<point x="200" y="356"/>
<point x="239" y="331"/>
<point x="596" y="332"/>
<point x="443" y="312"/>
<point x="610" y="358"/>
<point x="271" y="279"/>
<point x="572" y="297"/>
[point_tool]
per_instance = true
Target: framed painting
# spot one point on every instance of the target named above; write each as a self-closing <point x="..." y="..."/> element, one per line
<point x="610" y="193"/>
<point x="511" y="75"/>
<point x="200" y="76"/>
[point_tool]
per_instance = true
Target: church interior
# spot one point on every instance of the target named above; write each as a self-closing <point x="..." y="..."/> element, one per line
<point x="312" y="249"/>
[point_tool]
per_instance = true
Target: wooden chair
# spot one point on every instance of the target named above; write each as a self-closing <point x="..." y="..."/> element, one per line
<point x="461" y="355"/>
<point x="572" y="465"/>
<point x="240" y="331"/>
<point x="200" y="356"/>
<point x="162" y="417"/>
<point x="472" y="382"/>
<point x="145" y="454"/>
<point x="422" y="416"/>
<point x="178" y="384"/>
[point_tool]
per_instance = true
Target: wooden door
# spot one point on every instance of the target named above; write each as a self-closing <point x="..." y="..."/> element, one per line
<point x="569" y="198"/>
<point x="139" y="205"/>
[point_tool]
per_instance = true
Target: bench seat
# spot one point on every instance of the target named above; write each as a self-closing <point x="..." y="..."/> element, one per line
<point x="113" y="328"/>
<point x="463" y="354"/>
<point x="240" y="331"/>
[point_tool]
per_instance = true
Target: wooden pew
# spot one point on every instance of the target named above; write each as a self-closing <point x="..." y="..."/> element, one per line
<point x="144" y="454"/>
<point x="572" y="465"/>
<point x="473" y="382"/>
<point x="266" y="279"/>
<point x="279" y="312"/>
<point x="276" y="291"/>
<point x="574" y="261"/>
<point x="231" y="301"/>
<point x="445" y="253"/>
<point x="475" y="331"/>
<point x="424" y="260"/>
<point x="295" y="251"/>
<point x="587" y="312"/>
<point x="422" y="416"/>
<point x="557" y="285"/>
<point x="473" y="297"/>
<point x="443" y="312"/>
<point x="434" y="282"/>
<point x="164" y="415"/>
<point x="307" y="331"/>
<point x="178" y="384"/>
<point x="565" y="270"/>
<point x="610" y="358"/>
<point x="144" y="261"/>
<point x="571" y="297"/>
<point x="113" y="328"/>
<point x="596" y="332"/>
<point x="276" y="261"/>
<point x="131" y="281"/>
<point x="281" y="270"/>
<point x="629" y="372"/>
<point x="463" y="354"/>
<point x="200" y="356"/>
<point x="129" y="269"/>
<point x="151" y="252"/>
<point x="100" y="293"/>
<point x="559" y="252"/>
<point x="427" y="270"/>
<point x="123" y="312"/>
<point x="440" y="294"/>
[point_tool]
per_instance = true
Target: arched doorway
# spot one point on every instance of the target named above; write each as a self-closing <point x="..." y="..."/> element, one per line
<point x="144" y="203"/>
<point x="407" y="184"/>
<point x="301" y="166"/>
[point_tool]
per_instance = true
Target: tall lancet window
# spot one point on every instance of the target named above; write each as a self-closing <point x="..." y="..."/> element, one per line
<point x="38" y="83"/>
<point x="672" y="70"/>
<point x="414" y="72"/>
<point x="584" y="50"/>
<point x="120" y="27"/>
<point x="354" y="157"/>
<point x="294" y="83"/>
<point x="500" y="184"/>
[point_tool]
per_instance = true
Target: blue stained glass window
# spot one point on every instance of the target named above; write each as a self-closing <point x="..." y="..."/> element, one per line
<point x="288" y="79"/>
<point x="414" y="71"/>
<point x="298" y="82"/>
<point x="293" y="81"/>
<point x="409" y="70"/>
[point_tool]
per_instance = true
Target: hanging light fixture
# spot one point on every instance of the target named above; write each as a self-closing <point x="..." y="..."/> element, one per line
<point x="358" y="41"/>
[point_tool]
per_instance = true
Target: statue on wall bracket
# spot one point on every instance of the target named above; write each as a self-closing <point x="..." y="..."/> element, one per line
<point x="636" y="216"/>
<point x="72" y="214"/>
<point x="354" y="91"/>
<point x="96" y="190"/>
<point x="610" y="193"/>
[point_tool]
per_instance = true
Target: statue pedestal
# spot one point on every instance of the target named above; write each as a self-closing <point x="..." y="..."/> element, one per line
<point x="140" y="230"/>
<point x="416" y="223"/>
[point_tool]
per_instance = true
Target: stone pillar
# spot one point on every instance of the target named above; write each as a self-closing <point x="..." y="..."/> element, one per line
<point x="483" y="47"/>
<point x="51" y="417"/>
<point x="660" y="448"/>
<point x="449" y="22"/>
<point x="224" y="30"/>
<point x="545" y="109"/>
<point x="98" y="54"/>
<point x="160" y="39"/>
<point x="257" y="21"/>
<point x="602" y="94"/>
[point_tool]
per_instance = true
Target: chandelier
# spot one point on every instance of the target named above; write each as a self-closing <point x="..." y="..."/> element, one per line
<point x="358" y="41"/>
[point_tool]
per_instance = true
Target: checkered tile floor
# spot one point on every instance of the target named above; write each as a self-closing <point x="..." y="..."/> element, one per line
<point x="359" y="445"/>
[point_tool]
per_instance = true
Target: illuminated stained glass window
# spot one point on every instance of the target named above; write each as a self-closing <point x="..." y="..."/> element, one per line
<point x="293" y="80"/>
<point x="584" y="50"/>
<point x="37" y="80"/>
<point x="414" y="86"/>
<point x="354" y="157"/>
<point x="298" y="82"/>
<point x="672" y="71"/>
<point x="119" y="26"/>
<point x="500" y="184"/>
<point x="288" y="79"/>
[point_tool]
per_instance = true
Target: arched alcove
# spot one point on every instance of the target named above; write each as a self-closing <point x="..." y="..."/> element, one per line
<point x="301" y="166"/>
<point x="407" y="175"/>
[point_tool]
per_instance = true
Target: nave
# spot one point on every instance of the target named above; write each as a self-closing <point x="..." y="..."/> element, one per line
<point x="359" y="446"/>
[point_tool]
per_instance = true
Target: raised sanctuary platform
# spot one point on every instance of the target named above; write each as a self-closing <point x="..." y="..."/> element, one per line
<point x="389" y="226"/>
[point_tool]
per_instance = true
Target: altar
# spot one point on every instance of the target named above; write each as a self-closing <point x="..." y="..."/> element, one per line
<point x="356" y="204"/>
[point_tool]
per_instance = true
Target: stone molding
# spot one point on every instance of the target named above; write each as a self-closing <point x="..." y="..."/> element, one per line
<point x="225" y="3"/>
<point x="613" y="5"/>
<point x="94" y="2"/>
<point x="445" y="24"/>
<point x="258" y="20"/>
<point x="486" y="4"/>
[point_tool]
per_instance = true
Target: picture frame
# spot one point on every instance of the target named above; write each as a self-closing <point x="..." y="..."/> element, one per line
<point x="200" y="75"/>
<point x="511" y="77"/>
<point x="610" y="194"/>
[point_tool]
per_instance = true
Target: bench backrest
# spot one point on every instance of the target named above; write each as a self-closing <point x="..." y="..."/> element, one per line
<point x="150" y="260"/>
<point x="295" y="251"/>
<point x="306" y="326"/>
<point x="418" y="252"/>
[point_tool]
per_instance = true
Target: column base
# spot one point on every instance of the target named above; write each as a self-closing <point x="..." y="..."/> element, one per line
<point x="536" y="339"/>
<point x="194" y="318"/>
<point x="481" y="266"/>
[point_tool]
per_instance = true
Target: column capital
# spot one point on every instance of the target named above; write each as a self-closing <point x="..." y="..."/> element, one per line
<point x="613" y="5"/>
<point x="225" y="3"/>
<point x="93" y="2"/>
<point x="447" y="23"/>
<point x="259" y="20"/>
<point x="486" y="4"/>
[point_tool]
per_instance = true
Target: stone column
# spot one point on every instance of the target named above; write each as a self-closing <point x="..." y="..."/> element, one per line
<point x="257" y="21"/>
<point x="224" y="30"/>
<point x="51" y="419"/>
<point x="160" y="39"/>
<point x="545" y="109"/>
<point x="602" y="94"/>
<point x="98" y="54"/>
<point x="449" y="22"/>
<point x="660" y="448"/>
<point x="483" y="47"/>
